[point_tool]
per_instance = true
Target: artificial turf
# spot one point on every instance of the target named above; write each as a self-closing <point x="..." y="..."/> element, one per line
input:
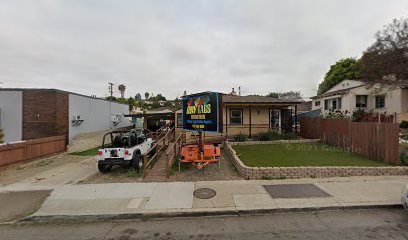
<point x="300" y="154"/>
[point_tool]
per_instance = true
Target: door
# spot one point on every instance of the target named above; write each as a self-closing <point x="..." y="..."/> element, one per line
<point x="286" y="120"/>
<point x="275" y="119"/>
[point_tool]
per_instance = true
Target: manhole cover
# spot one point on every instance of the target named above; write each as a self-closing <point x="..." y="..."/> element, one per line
<point x="204" y="193"/>
<point x="294" y="191"/>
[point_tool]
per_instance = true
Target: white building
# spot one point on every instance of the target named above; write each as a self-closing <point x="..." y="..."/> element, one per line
<point x="350" y="95"/>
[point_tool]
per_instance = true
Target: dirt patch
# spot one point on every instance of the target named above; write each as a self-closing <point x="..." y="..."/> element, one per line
<point x="116" y="175"/>
<point x="213" y="172"/>
<point x="21" y="171"/>
<point x="225" y="170"/>
<point x="17" y="205"/>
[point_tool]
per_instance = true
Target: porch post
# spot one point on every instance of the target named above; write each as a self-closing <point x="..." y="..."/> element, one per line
<point x="296" y="120"/>
<point x="250" y="122"/>
<point x="226" y="121"/>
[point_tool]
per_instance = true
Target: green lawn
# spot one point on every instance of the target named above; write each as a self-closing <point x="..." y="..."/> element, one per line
<point x="300" y="154"/>
<point x="89" y="152"/>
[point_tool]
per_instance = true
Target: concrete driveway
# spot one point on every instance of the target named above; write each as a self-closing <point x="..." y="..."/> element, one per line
<point x="44" y="173"/>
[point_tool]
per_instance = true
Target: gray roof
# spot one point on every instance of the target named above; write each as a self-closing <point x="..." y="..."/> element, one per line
<point x="255" y="100"/>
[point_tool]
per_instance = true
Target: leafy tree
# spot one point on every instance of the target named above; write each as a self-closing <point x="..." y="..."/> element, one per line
<point x="273" y="95"/>
<point x="388" y="56"/>
<point x="343" y="69"/>
<point x="160" y="97"/>
<point x="113" y="99"/>
<point x="291" y="95"/>
<point x="138" y="97"/>
<point x="122" y="100"/>
<point x="132" y="102"/>
<point x="155" y="104"/>
<point x="147" y="95"/>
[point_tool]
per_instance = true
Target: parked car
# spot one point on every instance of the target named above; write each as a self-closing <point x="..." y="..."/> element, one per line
<point x="404" y="197"/>
<point x="124" y="148"/>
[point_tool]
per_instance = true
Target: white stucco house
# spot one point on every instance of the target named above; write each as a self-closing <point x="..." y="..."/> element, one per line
<point x="350" y="95"/>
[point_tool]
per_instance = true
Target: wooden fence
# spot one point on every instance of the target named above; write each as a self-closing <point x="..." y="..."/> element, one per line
<point x="373" y="140"/>
<point x="31" y="149"/>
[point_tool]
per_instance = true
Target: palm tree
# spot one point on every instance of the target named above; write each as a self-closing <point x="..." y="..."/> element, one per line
<point x="122" y="89"/>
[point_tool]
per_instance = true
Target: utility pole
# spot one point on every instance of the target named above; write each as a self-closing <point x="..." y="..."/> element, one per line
<point x="110" y="106"/>
<point x="111" y="90"/>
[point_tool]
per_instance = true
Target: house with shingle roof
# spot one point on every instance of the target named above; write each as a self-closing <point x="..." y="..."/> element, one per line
<point x="251" y="115"/>
<point x="350" y="95"/>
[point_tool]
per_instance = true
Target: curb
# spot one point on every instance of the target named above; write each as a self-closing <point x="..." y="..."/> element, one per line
<point x="164" y="215"/>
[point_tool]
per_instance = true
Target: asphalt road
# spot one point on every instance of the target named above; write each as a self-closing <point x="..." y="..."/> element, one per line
<point x="351" y="224"/>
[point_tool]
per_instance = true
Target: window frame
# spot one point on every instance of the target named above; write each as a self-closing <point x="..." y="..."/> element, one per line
<point x="271" y="116"/>
<point x="331" y="102"/>
<point x="317" y="103"/>
<point x="241" y="118"/>
<point x="383" y="101"/>
<point x="358" y="104"/>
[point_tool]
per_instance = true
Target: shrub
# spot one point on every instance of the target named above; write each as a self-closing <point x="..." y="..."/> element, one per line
<point x="404" y="154"/>
<point x="404" y="124"/>
<point x="337" y="114"/>
<point x="404" y="158"/>
<point x="272" y="135"/>
<point x="240" y="137"/>
<point x="359" y="115"/>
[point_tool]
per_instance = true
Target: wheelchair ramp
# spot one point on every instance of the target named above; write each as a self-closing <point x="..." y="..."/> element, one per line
<point x="158" y="173"/>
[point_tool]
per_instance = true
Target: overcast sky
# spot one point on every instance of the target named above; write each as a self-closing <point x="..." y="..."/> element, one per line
<point x="164" y="46"/>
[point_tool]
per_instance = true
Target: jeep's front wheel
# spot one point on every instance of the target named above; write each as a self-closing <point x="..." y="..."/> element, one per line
<point x="137" y="162"/>
<point x="103" y="168"/>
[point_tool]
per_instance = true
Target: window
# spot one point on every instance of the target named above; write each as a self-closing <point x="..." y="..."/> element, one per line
<point x="236" y="117"/>
<point x="317" y="103"/>
<point x="361" y="101"/>
<point x="380" y="101"/>
<point x="179" y="120"/>
<point x="332" y="104"/>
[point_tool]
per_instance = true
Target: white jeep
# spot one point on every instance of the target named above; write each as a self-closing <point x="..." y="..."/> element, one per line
<point x="124" y="148"/>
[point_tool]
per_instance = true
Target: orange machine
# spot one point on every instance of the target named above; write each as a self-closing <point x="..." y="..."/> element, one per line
<point x="200" y="155"/>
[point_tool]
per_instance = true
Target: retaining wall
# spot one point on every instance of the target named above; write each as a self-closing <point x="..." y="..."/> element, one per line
<point x="305" y="172"/>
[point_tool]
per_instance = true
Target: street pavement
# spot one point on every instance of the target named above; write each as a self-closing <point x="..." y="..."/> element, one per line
<point x="340" y="224"/>
<point x="124" y="200"/>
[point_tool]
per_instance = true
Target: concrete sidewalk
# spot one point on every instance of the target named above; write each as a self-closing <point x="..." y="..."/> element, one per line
<point x="176" y="198"/>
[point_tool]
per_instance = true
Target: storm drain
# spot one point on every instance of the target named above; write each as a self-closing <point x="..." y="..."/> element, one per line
<point x="295" y="191"/>
<point x="204" y="193"/>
